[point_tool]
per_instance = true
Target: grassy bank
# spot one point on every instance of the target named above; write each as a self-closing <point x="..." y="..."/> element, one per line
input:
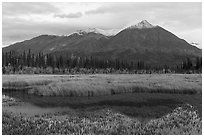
<point x="102" y="84"/>
<point x="178" y="112"/>
<point x="182" y="120"/>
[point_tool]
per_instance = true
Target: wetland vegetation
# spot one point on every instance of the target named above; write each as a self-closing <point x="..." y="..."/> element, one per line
<point x="110" y="104"/>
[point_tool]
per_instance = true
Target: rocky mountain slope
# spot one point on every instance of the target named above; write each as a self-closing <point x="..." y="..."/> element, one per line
<point x="143" y="41"/>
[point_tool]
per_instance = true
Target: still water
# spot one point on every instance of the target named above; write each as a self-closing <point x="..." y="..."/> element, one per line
<point x="144" y="105"/>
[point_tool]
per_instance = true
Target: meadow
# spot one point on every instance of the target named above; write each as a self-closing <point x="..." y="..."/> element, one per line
<point x="102" y="84"/>
<point x="102" y="104"/>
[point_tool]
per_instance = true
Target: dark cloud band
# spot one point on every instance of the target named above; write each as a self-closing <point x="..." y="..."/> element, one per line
<point x="70" y="15"/>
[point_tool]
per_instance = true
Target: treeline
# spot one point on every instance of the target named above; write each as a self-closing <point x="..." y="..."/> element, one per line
<point x="40" y="60"/>
<point x="15" y="62"/>
<point x="189" y="65"/>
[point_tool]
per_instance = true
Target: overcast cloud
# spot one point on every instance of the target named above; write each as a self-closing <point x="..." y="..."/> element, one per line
<point x="70" y="15"/>
<point x="21" y="21"/>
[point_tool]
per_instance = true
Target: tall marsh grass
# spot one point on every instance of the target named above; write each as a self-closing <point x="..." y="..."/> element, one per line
<point x="102" y="84"/>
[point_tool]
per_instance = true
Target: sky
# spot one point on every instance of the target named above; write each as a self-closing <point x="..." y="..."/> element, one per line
<point x="23" y="21"/>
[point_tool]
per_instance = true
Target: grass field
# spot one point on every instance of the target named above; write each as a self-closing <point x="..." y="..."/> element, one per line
<point x="102" y="104"/>
<point x="96" y="85"/>
<point x="180" y="121"/>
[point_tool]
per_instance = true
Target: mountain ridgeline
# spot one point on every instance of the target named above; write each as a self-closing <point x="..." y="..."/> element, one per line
<point x="142" y="42"/>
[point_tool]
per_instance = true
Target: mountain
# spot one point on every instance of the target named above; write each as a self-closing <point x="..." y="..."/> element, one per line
<point x="142" y="25"/>
<point x="110" y="32"/>
<point x="52" y="43"/>
<point x="195" y="44"/>
<point x="152" y="44"/>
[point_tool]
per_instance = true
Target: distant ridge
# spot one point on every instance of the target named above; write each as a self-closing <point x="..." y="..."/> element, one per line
<point x="142" y="41"/>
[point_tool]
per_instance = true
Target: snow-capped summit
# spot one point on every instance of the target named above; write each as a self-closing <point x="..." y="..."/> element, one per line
<point x="196" y="44"/>
<point x="110" y="32"/>
<point x="73" y="33"/>
<point x="142" y="25"/>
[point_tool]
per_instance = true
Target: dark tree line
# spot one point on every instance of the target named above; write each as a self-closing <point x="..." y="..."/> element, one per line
<point x="25" y="59"/>
<point x="40" y="60"/>
<point x="29" y="59"/>
<point x="188" y="64"/>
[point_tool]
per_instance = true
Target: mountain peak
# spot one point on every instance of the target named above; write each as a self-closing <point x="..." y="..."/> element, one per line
<point x="89" y="30"/>
<point x="144" y="24"/>
<point x="86" y="31"/>
<point x="110" y="32"/>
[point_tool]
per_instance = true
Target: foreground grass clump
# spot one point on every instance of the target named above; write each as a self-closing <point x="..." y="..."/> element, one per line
<point x="182" y="120"/>
<point x="102" y="84"/>
<point x="9" y="101"/>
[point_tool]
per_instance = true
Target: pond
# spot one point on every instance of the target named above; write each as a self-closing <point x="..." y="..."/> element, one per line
<point x="140" y="105"/>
